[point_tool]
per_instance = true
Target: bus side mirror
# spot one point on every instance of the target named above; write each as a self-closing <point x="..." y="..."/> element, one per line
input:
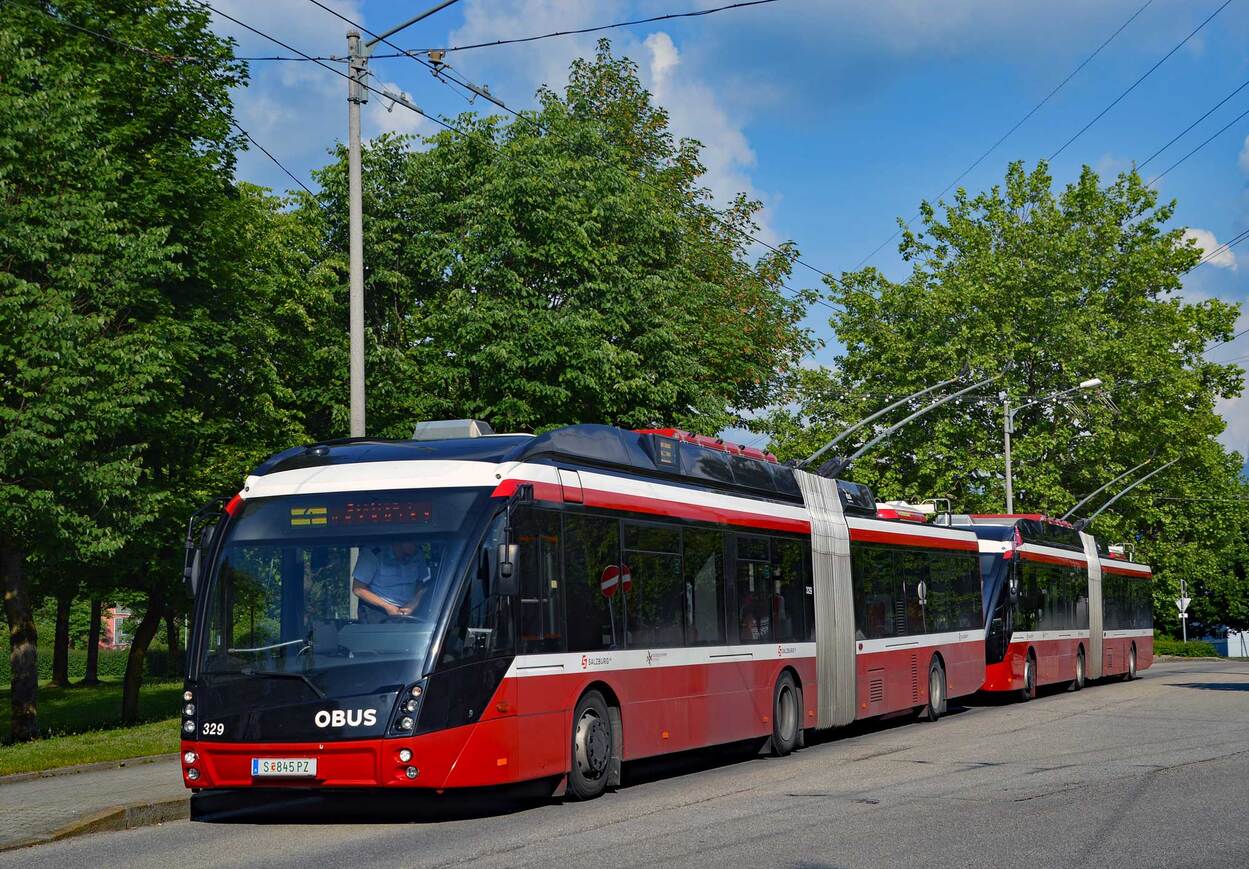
<point x="506" y="570"/>
<point x="193" y="567"/>
<point x="1014" y="589"/>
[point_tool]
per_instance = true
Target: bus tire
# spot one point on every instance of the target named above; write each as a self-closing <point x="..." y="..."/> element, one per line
<point x="1078" y="682"/>
<point x="1131" y="671"/>
<point x="936" y="691"/>
<point x="786" y="715"/>
<point x="1028" y="691"/>
<point x="592" y="743"/>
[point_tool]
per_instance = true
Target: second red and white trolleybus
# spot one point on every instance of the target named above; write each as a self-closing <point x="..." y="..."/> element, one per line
<point x="1058" y="608"/>
<point x="480" y="610"/>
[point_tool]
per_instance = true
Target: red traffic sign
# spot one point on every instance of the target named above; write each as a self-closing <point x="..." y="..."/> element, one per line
<point x="614" y="576"/>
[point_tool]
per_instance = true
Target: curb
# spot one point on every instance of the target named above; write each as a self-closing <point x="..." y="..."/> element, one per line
<point x="124" y="817"/>
<point x="86" y="767"/>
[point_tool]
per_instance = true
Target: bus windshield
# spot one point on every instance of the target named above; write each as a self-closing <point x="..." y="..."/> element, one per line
<point x="341" y="591"/>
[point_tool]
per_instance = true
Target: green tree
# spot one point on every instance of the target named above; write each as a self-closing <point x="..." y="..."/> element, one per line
<point x="75" y="365"/>
<point x="562" y="267"/>
<point x="1065" y="285"/>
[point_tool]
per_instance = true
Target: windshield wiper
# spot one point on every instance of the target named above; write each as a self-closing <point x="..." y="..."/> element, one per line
<point x="307" y="645"/>
<point x="284" y="674"/>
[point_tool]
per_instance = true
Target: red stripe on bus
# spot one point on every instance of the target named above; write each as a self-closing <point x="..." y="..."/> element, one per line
<point x="1137" y="574"/>
<point x="872" y="535"/>
<point x="659" y="507"/>
<point x="1053" y="559"/>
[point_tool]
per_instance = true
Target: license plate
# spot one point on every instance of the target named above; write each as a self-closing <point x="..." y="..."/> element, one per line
<point x="284" y="767"/>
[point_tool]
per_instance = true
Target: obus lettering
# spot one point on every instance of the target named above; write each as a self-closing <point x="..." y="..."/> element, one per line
<point x="345" y="718"/>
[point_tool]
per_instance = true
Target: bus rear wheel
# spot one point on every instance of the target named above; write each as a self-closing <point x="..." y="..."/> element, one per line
<point x="591" y="747"/>
<point x="1078" y="682"/>
<point x="936" y="691"/>
<point x="1028" y="691"/>
<point x="786" y="715"/>
<point x="1131" y="673"/>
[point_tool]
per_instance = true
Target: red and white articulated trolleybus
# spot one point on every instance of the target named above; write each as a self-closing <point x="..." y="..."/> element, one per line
<point x="481" y="610"/>
<point x="1057" y="607"/>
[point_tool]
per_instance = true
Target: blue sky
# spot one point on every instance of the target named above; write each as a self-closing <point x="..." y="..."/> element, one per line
<point x="840" y="116"/>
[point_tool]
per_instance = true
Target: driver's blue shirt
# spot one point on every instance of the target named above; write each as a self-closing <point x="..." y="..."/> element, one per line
<point x="390" y="577"/>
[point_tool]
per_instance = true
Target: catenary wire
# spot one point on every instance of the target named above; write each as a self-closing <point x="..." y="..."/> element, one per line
<point x="1011" y="131"/>
<point x="1140" y="79"/>
<point x="442" y="75"/>
<point x="668" y="17"/>
<point x="275" y="160"/>
<point x="404" y="103"/>
<point x="1187" y="129"/>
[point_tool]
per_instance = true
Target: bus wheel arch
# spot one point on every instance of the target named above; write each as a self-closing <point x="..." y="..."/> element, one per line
<point x="938" y="688"/>
<point x="596" y="742"/>
<point x="787" y="713"/>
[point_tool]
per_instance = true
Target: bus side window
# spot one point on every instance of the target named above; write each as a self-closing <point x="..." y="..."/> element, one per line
<point x="482" y="626"/>
<point x="703" y="565"/>
<point x="596" y="616"/>
<point x="653" y="596"/>
<point x="754" y="590"/>
<point x="877" y="592"/>
<point x="788" y="590"/>
<point x="541" y="594"/>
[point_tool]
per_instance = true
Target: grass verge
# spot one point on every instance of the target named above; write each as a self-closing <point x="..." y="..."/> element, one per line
<point x="82" y="724"/>
<point x="119" y="743"/>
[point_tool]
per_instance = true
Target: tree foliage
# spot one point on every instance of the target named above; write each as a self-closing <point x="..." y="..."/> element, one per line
<point x="1064" y="286"/>
<point x="566" y="266"/>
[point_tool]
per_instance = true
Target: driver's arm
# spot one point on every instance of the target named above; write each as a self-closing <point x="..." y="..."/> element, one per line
<point x="367" y="595"/>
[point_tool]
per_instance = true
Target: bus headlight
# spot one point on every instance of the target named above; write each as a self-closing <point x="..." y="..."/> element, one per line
<point x="411" y="772"/>
<point x="406" y="722"/>
<point x="405" y="754"/>
<point x="188" y="710"/>
<point x="188" y="696"/>
<point x="192" y="774"/>
<point x="409" y="706"/>
<point x="189" y="757"/>
<point x="188" y="726"/>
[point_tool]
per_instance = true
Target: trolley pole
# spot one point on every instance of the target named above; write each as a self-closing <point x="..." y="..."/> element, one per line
<point x="356" y="94"/>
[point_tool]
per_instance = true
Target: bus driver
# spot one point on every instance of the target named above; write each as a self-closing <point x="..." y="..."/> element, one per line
<point x="390" y="580"/>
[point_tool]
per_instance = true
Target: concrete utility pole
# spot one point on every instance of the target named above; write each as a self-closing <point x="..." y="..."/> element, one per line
<point x="1008" y="428"/>
<point x="358" y="93"/>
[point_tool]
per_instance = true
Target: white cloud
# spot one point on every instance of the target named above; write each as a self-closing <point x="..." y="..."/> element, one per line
<point x="1223" y="259"/>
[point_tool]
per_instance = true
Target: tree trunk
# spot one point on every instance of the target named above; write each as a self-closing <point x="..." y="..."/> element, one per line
<point x="60" y="642"/>
<point x="23" y="650"/>
<point x="91" y="677"/>
<point x="138" y="653"/>
<point x="172" y="640"/>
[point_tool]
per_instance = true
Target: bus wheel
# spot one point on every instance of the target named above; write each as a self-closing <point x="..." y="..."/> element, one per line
<point x="1078" y="682"/>
<point x="1131" y="673"/>
<point x="786" y="715"/>
<point x="1028" y="691"/>
<point x="591" y="747"/>
<point x="936" y="691"/>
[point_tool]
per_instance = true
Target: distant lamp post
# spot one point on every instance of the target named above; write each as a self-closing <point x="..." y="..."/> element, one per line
<point x="1008" y="427"/>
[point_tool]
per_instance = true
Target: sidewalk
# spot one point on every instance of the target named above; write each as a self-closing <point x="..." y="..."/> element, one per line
<point x="34" y="810"/>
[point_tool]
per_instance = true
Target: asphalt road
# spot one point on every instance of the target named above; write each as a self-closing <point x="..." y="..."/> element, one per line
<point x="1151" y="773"/>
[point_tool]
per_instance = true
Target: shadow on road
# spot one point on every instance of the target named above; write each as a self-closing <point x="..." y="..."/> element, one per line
<point x="1213" y="686"/>
<point x="286" y="806"/>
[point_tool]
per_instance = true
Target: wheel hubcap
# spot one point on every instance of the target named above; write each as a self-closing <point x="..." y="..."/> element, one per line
<point x="593" y="745"/>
